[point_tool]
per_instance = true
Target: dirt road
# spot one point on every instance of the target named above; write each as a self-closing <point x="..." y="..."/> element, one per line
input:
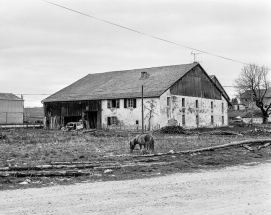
<point x="234" y="190"/>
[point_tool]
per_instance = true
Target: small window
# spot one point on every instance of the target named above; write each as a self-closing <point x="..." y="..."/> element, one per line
<point x="168" y="101"/>
<point x="112" y="120"/>
<point x="222" y="120"/>
<point x="212" y="105"/>
<point x="129" y="103"/>
<point x="212" y="120"/>
<point x="137" y="122"/>
<point x="197" y="103"/>
<point x="197" y="120"/>
<point x="113" y="103"/>
<point x="183" y="102"/>
<point x="222" y="107"/>
<point x="183" y="120"/>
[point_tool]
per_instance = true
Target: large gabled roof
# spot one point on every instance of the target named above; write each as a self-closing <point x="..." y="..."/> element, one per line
<point x="122" y="84"/>
<point x="9" y="96"/>
<point x="216" y="81"/>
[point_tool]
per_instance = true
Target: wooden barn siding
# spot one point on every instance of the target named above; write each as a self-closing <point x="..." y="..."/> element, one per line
<point x="73" y="108"/>
<point x="196" y="84"/>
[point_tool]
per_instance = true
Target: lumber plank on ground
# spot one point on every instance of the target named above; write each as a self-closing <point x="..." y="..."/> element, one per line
<point x="45" y="173"/>
<point x="232" y="144"/>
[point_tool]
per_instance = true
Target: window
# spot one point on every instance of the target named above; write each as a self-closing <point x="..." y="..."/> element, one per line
<point x="137" y="122"/>
<point x="168" y="101"/>
<point x="183" y="102"/>
<point x="212" y="120"/>
<point x="197" y="120"/>
<point x="212" y="105"/>
<point x="129" y="103"/>
<point x="222" y="120"/>
<point x="222" y="107"/>
<point x="112" y="120"/>
<point x="197" y="103"/>
<point x="183" y="120"/>
<point x="113" y="103"/>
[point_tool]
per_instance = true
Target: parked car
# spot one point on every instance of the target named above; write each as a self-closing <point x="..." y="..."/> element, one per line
<point x="239" y="123"/>
<point x="39" y="121"/>
<point x="74" y="126"/>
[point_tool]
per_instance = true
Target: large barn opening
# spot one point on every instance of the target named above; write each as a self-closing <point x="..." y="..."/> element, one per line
<point x="92" y="118"/>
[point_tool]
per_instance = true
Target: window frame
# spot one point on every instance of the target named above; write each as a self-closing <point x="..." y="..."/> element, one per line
<point x="129" y="101"/>
<point x="112" y="120"/>
<point x="111" y="101"/>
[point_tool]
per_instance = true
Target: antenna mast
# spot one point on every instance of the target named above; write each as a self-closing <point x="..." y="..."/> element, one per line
<point x="195" y="56"/>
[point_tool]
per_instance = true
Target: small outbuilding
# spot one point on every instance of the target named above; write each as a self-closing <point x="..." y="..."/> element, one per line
<point x="11" y="109"/>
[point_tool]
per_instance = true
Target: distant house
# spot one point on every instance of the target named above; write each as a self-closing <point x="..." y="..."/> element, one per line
<point x="237" y="105"/>
<point x="173" y="95"/>
<point x="11" y="109"/>
<point x="246" y="98"/>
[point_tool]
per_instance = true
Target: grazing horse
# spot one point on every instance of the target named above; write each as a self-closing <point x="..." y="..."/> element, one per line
<point x="145" y="140"/>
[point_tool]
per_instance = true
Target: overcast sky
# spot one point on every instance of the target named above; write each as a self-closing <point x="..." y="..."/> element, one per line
<point x="44" y="48"/>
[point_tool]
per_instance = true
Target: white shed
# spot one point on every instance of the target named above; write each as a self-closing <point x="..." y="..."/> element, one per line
<point x="11" y="109"/>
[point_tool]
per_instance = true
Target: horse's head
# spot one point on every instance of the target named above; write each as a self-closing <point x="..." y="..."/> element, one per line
<point x="132" y="145"/>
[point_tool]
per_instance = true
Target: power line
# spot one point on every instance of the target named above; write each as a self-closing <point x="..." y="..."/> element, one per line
<point x="139" y="32"/>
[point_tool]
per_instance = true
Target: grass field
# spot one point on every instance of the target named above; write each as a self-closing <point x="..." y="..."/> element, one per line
<point x="31" y="147"/>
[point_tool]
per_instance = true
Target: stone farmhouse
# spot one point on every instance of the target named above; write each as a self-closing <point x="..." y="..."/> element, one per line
<point x="182" y="95"/>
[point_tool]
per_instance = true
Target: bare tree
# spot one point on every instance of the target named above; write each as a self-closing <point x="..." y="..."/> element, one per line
<point x="253" y="85"/>
<point x="150" y="111"/>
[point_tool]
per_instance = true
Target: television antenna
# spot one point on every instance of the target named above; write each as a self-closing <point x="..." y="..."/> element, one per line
<point x="196" y="59"/>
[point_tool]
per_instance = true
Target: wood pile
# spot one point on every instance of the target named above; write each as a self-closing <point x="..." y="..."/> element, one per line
<point x="220" y="132"/>
<point x="172" y="129"/>
<point x="257" y="132"/>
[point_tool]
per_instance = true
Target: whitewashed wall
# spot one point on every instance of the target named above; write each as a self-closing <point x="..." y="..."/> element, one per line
<point x="127" y="117"/>
<point x="172" y="114"/>
<point x="11" y="112"/>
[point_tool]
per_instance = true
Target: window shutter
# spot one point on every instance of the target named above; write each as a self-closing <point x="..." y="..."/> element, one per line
<point x="134" y="103"/>
<point x="108" y="121"/>
<point x="125" y="103"/>
<point x="108" y="104"/>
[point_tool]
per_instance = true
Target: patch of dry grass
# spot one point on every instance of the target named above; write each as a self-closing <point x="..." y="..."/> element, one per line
<point x="33" y="147"/>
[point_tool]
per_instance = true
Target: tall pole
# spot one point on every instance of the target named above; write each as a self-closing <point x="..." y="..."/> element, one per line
<point x="142" y="111"/>
<point x="252" y="110"/>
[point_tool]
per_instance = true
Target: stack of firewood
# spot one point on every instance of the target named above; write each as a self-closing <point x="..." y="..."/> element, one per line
<point x="173" y="129"/>
<point x="256" y="132"/>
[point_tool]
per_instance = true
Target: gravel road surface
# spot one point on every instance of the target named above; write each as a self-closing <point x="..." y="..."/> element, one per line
<point x="234" y="190"/>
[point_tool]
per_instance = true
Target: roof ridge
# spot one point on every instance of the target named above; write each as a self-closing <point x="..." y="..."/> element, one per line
<point x="155" y="67"/>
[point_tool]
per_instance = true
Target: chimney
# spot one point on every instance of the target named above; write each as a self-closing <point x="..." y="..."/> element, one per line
<point x="144" y="75"/>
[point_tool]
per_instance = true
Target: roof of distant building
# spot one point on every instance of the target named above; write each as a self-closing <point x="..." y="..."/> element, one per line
<point x="9" y="96"/>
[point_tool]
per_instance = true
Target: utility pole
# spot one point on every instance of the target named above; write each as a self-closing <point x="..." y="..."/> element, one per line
<point x="252" y="110"/>
<point x="142" y="111"/>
